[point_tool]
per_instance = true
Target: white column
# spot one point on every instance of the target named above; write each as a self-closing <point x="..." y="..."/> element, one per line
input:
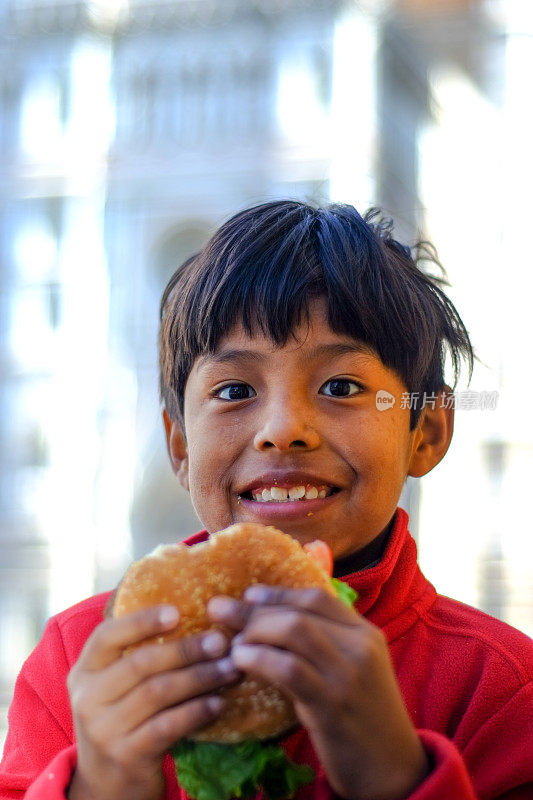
<point x="353" y="109"/>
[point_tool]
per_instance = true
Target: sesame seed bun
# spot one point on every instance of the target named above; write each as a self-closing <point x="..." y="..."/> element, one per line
<point x="227" y="563"/>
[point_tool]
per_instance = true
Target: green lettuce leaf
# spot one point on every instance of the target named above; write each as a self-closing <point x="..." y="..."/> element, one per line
<point x="345" y="593"/>
<point x="212" y="771"/>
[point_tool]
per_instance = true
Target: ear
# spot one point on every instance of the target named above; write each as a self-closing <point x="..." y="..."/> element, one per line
<point x="433" y="434"/>
<point x="177" y="449"/>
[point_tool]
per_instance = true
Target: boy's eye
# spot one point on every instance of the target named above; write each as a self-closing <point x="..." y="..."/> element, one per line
<point x="235" y="391"/>
<point x="340" y="387"/>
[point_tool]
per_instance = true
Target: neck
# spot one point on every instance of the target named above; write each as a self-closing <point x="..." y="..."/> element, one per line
<point x="368" y="556"/>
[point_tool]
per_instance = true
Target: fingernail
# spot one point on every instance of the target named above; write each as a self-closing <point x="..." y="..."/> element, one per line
<point x="215" y="703"/>
<point x="226" y="667"/>
<point x="256" y="594"/>
<point x="220" y="605"/>
<point x="169" y="616"/>
<point x="214" y="643"/>
<point x="243" y="655"/>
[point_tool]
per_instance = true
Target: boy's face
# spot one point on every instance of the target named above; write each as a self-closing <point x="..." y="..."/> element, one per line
<point x="304" y="415"/>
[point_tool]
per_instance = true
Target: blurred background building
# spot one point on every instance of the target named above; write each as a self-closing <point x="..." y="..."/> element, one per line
<point x="129" y="130"/>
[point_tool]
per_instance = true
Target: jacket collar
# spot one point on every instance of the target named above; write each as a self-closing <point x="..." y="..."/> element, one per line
<point x="393" y="593"/>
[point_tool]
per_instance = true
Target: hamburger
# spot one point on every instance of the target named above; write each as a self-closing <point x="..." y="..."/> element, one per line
<point x="236" y="754"/>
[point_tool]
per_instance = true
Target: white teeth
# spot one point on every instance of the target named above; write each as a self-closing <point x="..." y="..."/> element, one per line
<point x="279" y="494"/>
<point x="295" y="492"/>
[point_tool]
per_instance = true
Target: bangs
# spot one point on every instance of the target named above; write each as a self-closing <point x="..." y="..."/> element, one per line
<point x="265" y="277"/>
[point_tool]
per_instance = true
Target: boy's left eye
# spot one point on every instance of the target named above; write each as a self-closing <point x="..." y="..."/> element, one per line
<point x="340" y="387"/>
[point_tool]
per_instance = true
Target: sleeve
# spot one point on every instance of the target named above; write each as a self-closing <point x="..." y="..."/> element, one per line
<point x="499" y="754"/>
<point x="496" y="764"/>
<point x="39" y="755"/>
<point x="53" y="782"/>
<point x="447" y="780"/>
<point x="448" y="776"/>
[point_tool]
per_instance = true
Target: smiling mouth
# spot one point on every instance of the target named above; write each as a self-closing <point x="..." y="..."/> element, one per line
<point x="280" y="494"/>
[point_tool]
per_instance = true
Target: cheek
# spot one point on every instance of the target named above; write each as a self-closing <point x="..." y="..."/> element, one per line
<point x="397" y="449"/>
<point x="209" y="466"/>
<point x="382" y="440"/>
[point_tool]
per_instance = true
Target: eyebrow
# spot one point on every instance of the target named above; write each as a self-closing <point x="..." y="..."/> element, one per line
<point x="246" y="357"/>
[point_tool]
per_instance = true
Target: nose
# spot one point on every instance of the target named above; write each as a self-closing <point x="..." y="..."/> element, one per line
<point x="287" y="425"/>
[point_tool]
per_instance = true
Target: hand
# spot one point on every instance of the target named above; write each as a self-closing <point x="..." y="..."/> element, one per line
<point x="129" y="709"/>
<point x="335" y="666"/>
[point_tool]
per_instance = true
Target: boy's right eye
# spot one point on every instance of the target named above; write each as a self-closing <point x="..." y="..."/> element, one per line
<point x="234" y="391"/>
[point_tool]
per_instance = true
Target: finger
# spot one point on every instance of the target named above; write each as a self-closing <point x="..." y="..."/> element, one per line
<point x="160" y="732"/>
<point x="337" y="651"/>
<point x="316" y="639"/>
<point x="233" y="613"/>
<point x="126" y="673"/>
<point x="295" y="676"/>
<point x="236" y="614"/>
<point x="169" y="689"/>
<point x="315" y="601"/>
<point x="113" y="636"/>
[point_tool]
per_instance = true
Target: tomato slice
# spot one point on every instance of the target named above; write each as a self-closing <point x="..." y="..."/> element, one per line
<point x="320" y="552"/>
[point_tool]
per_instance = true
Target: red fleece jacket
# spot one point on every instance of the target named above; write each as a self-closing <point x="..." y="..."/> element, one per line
<point x="466" y="679"/>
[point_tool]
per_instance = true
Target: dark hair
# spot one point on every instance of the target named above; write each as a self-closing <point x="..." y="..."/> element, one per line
<point x="263" y="266"/>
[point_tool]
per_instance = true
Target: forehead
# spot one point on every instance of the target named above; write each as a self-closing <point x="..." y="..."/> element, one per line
<point x="311" y="339"/>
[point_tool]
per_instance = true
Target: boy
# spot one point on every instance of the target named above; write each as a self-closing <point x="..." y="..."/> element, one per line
<point x="275" y="342"/>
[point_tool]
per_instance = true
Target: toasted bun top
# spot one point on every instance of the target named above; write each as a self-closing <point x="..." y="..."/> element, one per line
<point x="227" y="563"/>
